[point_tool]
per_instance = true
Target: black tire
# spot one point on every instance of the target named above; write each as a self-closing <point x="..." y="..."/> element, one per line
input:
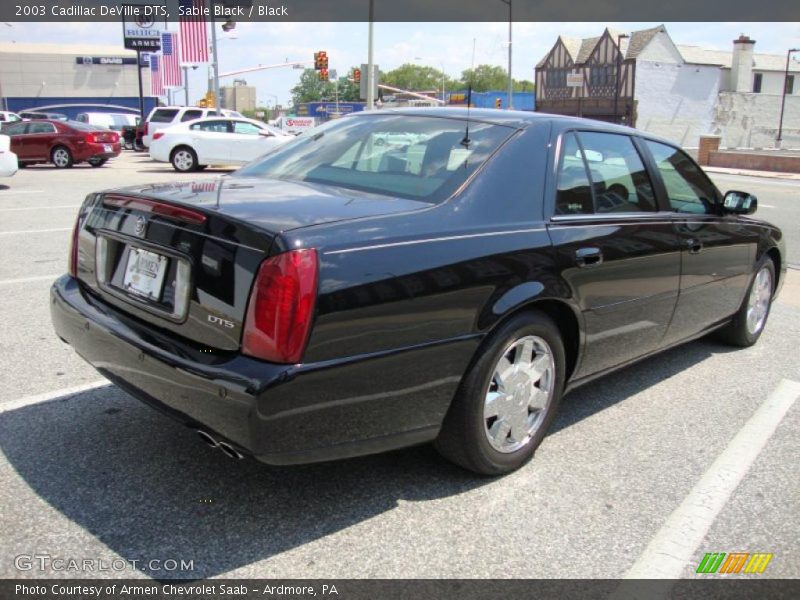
<point x="138" y="145"/>
<point x="184" y="159"/>
<point x="201" y="167"/>
<point x="61" y="157"/>
<point x="21" y="165"/>
<point x="97" y="162"/>
<point x="463" y="438"/>
<point x="738" y="332"/>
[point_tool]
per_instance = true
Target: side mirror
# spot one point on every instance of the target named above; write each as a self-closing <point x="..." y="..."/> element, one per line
<point x="739" y="203"/>
<point x="264" y="133"/>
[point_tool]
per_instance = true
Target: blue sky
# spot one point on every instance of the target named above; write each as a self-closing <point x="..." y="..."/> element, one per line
<point x="447" y="45"/>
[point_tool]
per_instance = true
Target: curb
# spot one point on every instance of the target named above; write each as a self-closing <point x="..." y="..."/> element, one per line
<point x="764" y="174"/>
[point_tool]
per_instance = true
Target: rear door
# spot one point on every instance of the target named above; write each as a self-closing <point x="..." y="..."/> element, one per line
<point x="717" y="251"/>
<point x="616" y="249"/>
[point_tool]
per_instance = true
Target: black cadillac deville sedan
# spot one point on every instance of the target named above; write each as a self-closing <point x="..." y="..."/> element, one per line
<point x="401" y="277"/>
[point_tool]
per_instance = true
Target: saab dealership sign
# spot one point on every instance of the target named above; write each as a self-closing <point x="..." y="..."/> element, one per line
<point x="107" y="60"/>
<point x="142" y="32"/>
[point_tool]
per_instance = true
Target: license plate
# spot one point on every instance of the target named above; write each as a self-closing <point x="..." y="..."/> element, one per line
<point x="144" y="274"/>
<point x="108" y="148"/>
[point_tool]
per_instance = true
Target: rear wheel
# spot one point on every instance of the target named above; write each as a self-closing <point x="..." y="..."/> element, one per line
<point x="749" y="321"/>
<point x="138" y="145"/>
<point x="184" y="159"/>
<point x="508" y="399"/>
<point x="97" y="162"/>
<point x="61" y="157"/>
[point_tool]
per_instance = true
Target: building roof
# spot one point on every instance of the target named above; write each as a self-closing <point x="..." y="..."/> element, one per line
<point x="723" y="58"/>
<point x="66" y="49"/>
<point x="640" y="39"/>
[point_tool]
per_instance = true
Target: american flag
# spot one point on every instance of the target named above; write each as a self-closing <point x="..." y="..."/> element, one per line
<point x="194" y="34"/>
<point x="156" y="85"/>
<point x="170" y="68"/>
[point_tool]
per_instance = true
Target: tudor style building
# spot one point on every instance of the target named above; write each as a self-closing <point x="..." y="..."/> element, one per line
<point x="603" y="95"/>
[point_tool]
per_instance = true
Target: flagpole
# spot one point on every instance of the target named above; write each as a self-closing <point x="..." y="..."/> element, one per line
<point x="141" y="88"/>
<point x="217" y="101"/>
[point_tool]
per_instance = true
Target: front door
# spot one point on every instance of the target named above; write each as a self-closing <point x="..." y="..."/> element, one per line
<point x="717" y="251"/>
<point x="617" y="252"/>
<point x="39" y="139"/>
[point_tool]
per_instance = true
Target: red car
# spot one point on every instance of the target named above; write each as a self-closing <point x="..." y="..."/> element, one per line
<point x="63" y="143"/>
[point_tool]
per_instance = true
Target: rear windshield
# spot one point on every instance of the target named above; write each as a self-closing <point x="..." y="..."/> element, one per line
<point x="422" y="158"/>
<point x="84" y="126"/>
<point x="163" y="116"/>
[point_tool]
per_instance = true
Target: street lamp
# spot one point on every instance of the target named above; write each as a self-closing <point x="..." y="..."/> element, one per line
<point x="510" y="80"/>
<point x="783" y="96"/>
<point x="620" y="37"/>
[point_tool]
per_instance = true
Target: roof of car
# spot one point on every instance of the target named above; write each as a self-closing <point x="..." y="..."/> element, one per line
<point x="513" y="118"/>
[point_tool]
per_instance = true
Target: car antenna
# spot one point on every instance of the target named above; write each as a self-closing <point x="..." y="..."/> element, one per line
<point x="466" y="141"/>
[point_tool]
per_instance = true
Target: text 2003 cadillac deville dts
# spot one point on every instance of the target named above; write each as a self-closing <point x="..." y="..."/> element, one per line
<point x="401" y="277"/>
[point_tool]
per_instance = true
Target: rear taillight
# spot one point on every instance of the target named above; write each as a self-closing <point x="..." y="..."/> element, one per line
<point x="146" y="128"/>
<point x="157" y="135"/>
<point x="72" y="262"/>
<point x="281" y="307"/>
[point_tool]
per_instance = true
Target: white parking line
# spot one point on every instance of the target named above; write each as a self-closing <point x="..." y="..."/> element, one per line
<point x="47" y="396"/>
<point x="35" y="231"/>
<point x="669" y="552"/>
<point x="29" y="279"/>
<point x="11" y="193"/>
<point x="50" y="207"/>
<point x="765" y="206"/>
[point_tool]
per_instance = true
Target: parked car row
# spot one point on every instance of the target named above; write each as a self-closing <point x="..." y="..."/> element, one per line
<point x="62" y="143"/>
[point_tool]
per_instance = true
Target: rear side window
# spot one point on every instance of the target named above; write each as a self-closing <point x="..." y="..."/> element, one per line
<point x="218" y="126"/>
<point x="602" y="173"/>
<point x="15" y="129"/>
<point x="191" y="115"/>
<point x="42" y="128"/>
<point x="164" y="115"/>
<point x="688" y="188"/>
<point x="619" y="180"/>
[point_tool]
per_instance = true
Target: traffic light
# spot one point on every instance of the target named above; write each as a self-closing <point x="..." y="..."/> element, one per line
<point x="356" y="75"/>
<point x="320" y="60"/>
<point x="498" y="103"/>
<point x="323" y="74"/>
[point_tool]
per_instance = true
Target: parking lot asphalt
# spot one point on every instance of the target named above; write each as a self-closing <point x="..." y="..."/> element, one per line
<point x="88" y="472"/>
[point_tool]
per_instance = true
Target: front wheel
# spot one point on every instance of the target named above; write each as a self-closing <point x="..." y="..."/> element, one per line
<point x="749" y="321"/>
<point x="184" y="159"/>
<point x="97" y="162"/>
<point x="508" y="398"/>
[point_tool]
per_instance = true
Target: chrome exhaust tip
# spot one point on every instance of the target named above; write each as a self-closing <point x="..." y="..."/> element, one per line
<point x="229" y="450"/>
<point x="206" y="437"/>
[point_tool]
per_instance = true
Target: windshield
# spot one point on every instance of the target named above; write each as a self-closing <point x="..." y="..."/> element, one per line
<point x="422" y="158"/>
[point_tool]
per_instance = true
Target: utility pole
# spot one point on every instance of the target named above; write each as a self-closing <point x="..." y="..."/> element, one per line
<point x="783" y="97"/>
<point x="141" y="87"/>
<point x="510" y="102"/>
<point x="217" y="99"/>
<point x="620" y="37"/>
<point x="370" y="62"/>
<point x="186" y="85"/>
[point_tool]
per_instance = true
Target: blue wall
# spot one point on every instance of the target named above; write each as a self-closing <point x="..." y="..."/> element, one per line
<point x="73" y="106"/>
<point x="522" y="100"/>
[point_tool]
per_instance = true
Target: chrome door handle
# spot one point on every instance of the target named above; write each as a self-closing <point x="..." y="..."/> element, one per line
<point x="587" y="257"/>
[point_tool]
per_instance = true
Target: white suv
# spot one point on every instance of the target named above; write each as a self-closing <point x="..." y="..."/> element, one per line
<point x="164" y="116"/>
<point x="8" y="117"/>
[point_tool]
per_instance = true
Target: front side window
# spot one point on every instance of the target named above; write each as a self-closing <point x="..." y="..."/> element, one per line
<point x="216" y="126"/>
<point x="619" y="178"/>
<point x="688" y="188"/>
<point x="422" y="158"/>
<point x="246" y="128"/>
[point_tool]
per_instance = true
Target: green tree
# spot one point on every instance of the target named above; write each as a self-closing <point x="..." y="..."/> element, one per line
<point x="311" y="89"/>
<point x="492" y="77"/>
<point x="416" y="78"/>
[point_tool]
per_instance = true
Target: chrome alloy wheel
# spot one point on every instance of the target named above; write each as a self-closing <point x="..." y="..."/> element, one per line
<point x="519" y="393"/>
<point x="758" y="302"/>
<point x="61" y="157"/>
<point x="183" y="160"/>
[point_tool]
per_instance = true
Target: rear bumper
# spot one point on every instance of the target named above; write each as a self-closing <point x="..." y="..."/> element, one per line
<point x="278" y="414"/>
<point x="97" y="151"/>
<point x="8" y="164"/>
